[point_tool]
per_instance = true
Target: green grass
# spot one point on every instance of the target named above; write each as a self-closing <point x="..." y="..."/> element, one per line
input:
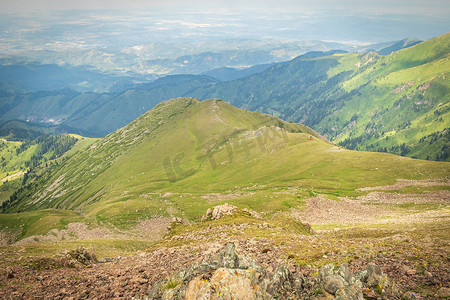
<point x="31" y="223"/>
<point x="355" y="99"/>
<point x="169" y="160"/>
<point x="400" y="99"/>
<point x="101" y="247"/>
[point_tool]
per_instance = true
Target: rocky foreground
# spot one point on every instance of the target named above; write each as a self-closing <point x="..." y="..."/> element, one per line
<point x="213" y="271"/>
<point x="227" y="275"/>
<point x="235" y="254"/>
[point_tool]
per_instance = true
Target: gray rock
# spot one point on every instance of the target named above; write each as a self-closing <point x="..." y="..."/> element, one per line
<point x="226" y="257"/>
<point x="326" y="271"/>
<point x="362" y="275"/>
<point x="298" y="284"/>
<point x="246" y="262"/>
<point x="157" y="290"/>
<point x="347" y="274"/>
<point x="282" y="282"/>
<point x="332" y="283"/>
<point x="349" y="293"/>
<point x="375" y="276"/>
<point x="223" y="210"/>
<point x="371" y="275"/>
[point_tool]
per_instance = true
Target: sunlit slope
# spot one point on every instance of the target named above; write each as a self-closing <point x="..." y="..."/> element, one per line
<point x="402" y="99"/>
<point x="175" y="158"/>
<point x="396" y="103"/>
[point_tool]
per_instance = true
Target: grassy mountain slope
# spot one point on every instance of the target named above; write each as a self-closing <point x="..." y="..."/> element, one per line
<point x="31" y="151"/>
<point x="184" y="154"/>
<point x="363" y="101"/>
<point x="396" y="103"/>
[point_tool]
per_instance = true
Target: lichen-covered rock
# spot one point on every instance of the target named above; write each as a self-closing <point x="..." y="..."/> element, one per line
<point x="227" y="275"/>
<point x="351" y="292"/>
<point x="234" y="284"/>
<point x="333" y="283"/>
<point x="326" y="271"/>
<point x="375" y="282"/>
<point x="198" y="289"/>
<point x="283" y="283"/>
<point x="226" y="257"/>
<point x="343" y="284"/>
<point x="222" y="210"/>
<point x="371" y="276"/>
<point x="345" y="272"/>
<point x="83" y="256"/>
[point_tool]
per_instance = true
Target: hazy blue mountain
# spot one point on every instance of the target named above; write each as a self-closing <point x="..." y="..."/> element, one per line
<point x="41" y="77"/>
<point x="95" y="114"/>
<point x="228" y="74"/>
<point x="175" y="80"/>
<point x="16" y="130"/>
<point x="406" y="43"/>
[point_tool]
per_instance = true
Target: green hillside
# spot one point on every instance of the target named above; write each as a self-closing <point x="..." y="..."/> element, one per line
<point x="186" y="155"/>
<point x="27" y="149"/>
<point x="396" y="103"/>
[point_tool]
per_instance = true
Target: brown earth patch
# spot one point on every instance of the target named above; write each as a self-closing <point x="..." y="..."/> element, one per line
<point x="12" y="176"/>
<point x="153" y="229"/>
<point x="321" y="210"/>
<point x="401" y="183"/>
<point x="441" y="197"/>
<point x="73" y="231"/>
<point x="220" y="197"/>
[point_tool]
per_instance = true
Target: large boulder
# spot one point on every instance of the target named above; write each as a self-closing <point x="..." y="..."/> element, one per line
<point x="219" y="211"/>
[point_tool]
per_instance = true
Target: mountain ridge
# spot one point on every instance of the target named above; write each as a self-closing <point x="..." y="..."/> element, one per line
<point x="188" y="149"/>
<point x="337" y="95"/>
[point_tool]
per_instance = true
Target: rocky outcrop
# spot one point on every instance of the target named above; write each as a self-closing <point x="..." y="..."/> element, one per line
<point x="228" y="275"/>
<point x="219" y="211"/>
<point x="83" y="256"/>
<point x="226" y="209"/>
<point x="369" y="283"/>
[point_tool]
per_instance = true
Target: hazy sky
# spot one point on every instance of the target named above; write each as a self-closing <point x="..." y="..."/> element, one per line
<point x="337" y="20"/>
<point x="416" y="7"/>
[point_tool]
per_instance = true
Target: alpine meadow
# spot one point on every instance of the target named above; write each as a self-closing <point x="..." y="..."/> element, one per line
<point x="224" y="150"/>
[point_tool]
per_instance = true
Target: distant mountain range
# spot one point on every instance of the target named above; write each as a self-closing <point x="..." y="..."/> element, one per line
<point x="97" y="69"/>
<point x="395" y="103"/>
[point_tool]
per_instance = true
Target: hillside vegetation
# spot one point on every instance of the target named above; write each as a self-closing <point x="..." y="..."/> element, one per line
<point x="396" y="103"/>
<point x="185" y="154"/>
<point x="27" y="149"/>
